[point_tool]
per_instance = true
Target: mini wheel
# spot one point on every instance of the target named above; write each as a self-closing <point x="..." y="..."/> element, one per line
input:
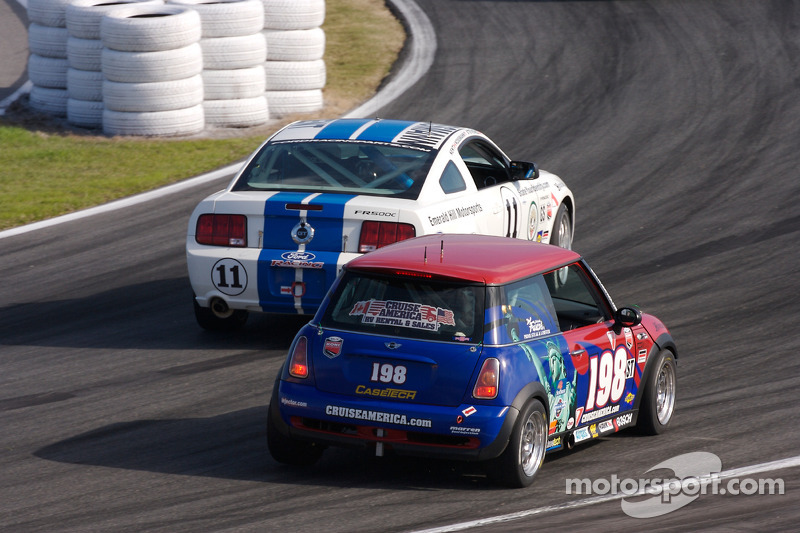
<point x="524" y="455"/>
<point x="658" y="400"/>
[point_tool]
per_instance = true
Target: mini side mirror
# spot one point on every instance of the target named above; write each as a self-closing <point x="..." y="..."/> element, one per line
<point x="522" y="170"/>
<point x="626" y="317"/>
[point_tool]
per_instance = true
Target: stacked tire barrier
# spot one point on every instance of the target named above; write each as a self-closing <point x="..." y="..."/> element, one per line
<point x="234" y="52"/>
<point x="47" y="64"/>
<point x="84" y="50"/>
<point x="143" y="67"/>
<point x="295" y="70"/>
<point x="152" y="64"/>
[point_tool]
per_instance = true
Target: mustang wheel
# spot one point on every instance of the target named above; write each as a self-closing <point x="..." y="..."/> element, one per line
<point x="658" y="401"/>
<point x="523" y="456"/>
<point x="562" y="229"/>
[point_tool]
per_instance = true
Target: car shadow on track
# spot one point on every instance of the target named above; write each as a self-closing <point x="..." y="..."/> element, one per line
<point x="153" y="315"/>
<point x="233" y="446"/>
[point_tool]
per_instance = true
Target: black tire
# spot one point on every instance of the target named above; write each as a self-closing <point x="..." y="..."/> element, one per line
<point x="658" y="399"/>
<point x="207" y="320"/>
<point x="289" y="451"/>
<point x="523" y="457"/>
<point x="562" y="228"/>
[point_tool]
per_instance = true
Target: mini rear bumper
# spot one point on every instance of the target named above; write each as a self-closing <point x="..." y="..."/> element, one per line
<point x="466" y="432"/>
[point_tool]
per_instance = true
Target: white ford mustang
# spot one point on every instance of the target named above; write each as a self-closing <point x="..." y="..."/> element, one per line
<point x="319" y="193"/>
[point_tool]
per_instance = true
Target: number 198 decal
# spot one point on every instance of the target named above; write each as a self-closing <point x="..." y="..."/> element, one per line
<point x="386" y="373"/>
<point x="607" y="375"/>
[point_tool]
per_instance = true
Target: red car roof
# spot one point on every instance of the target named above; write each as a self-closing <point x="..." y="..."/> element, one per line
<point x="478" y="258"/>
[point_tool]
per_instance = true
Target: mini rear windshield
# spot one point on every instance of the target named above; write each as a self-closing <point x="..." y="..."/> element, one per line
<point x="351" y="167"/>
<point x="407" y="307"/>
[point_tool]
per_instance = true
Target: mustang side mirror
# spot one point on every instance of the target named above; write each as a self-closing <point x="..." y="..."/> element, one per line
<point x="522" y="170"/>
<point x="626" y="317"/>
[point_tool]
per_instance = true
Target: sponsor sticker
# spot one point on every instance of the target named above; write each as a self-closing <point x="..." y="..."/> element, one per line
<point x="367" y="415"/>
<point x="463" y="430"/>
<point x="599" y="413"/>
<point x="293" y="403"/>
<point x="629" y="398"/>
<point x="332" y="347"/>
<point x="469" y="411"/>
<point x="535" y="328"/>
<point x="399" y="394"/>
<point x="605" y="426"/>
<point x="582" y="434"/>
<point x="404" y="314"/>
<point x="623" y="420"/>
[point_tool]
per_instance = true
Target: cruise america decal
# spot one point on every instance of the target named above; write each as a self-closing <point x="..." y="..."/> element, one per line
<point x="404" y="314"/>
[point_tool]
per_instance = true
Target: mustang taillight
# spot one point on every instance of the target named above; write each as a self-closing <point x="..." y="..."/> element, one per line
<point x="375" y="234"/>
<point x="488" y="380"/>
<point x="222" y="230"/>
<point x="298" y="364"/>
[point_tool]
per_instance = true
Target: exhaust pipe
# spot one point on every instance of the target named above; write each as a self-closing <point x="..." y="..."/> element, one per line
<point x="571" y="441"/>
<point x="220" y="308"/>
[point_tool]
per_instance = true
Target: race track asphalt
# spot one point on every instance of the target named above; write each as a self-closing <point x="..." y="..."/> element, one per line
<point x="674" y="122"/>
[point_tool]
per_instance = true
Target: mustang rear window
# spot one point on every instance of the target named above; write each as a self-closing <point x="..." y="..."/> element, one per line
<point x="351" y="167"/>
<point x="407" y="307"/>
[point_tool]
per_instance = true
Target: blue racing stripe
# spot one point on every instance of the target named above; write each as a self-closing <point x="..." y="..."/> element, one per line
<point x="342" y="128"/>
<point x="385" y="130"/>
<point x="328" y="227"/>
<point x="278" y="224"/>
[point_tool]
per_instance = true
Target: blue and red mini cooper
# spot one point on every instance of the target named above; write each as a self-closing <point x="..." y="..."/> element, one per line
<point x="470" y="347"/>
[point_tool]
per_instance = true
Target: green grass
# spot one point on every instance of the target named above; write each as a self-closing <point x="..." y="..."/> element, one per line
<point x="49" y="169"/>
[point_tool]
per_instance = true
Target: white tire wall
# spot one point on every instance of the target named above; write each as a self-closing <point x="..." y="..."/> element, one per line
<point x="149" y="28"/>
<point x="155" y="96"/>
<point x="84" y="54"/>
<point x="48" y="100"/>
<point x="283" y="103"/>
<point x="230" y="53"/>
<point x="151" y="61"/>
<point x="84" y="16"/>
<point x="293" y="14"/>
<point x="234" y="84"/>
<point x="295" y="45"/>
<point x="47" y="44"/>
<point x="294" y="75"/>
<point x="48" y="12"/>
<point x="227" y="18"/>
<point x="84" y="113"/>
<point x="50" y="72"/>
<point x="47" y="41"/>
<point x="85" y="85"/>
<point x="157" y="123"/>
<point x="295" y="72"/>
<point x="234" y="51"/>
<point x="145" y="67"/>
<point x="238" y="113"/>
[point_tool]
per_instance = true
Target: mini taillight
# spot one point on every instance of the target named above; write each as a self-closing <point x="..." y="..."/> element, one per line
<point x="375" y="234"/>
<point x="298" y="363"/>
<point x="222" y="230"/>
<point x="488" y="380"/>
